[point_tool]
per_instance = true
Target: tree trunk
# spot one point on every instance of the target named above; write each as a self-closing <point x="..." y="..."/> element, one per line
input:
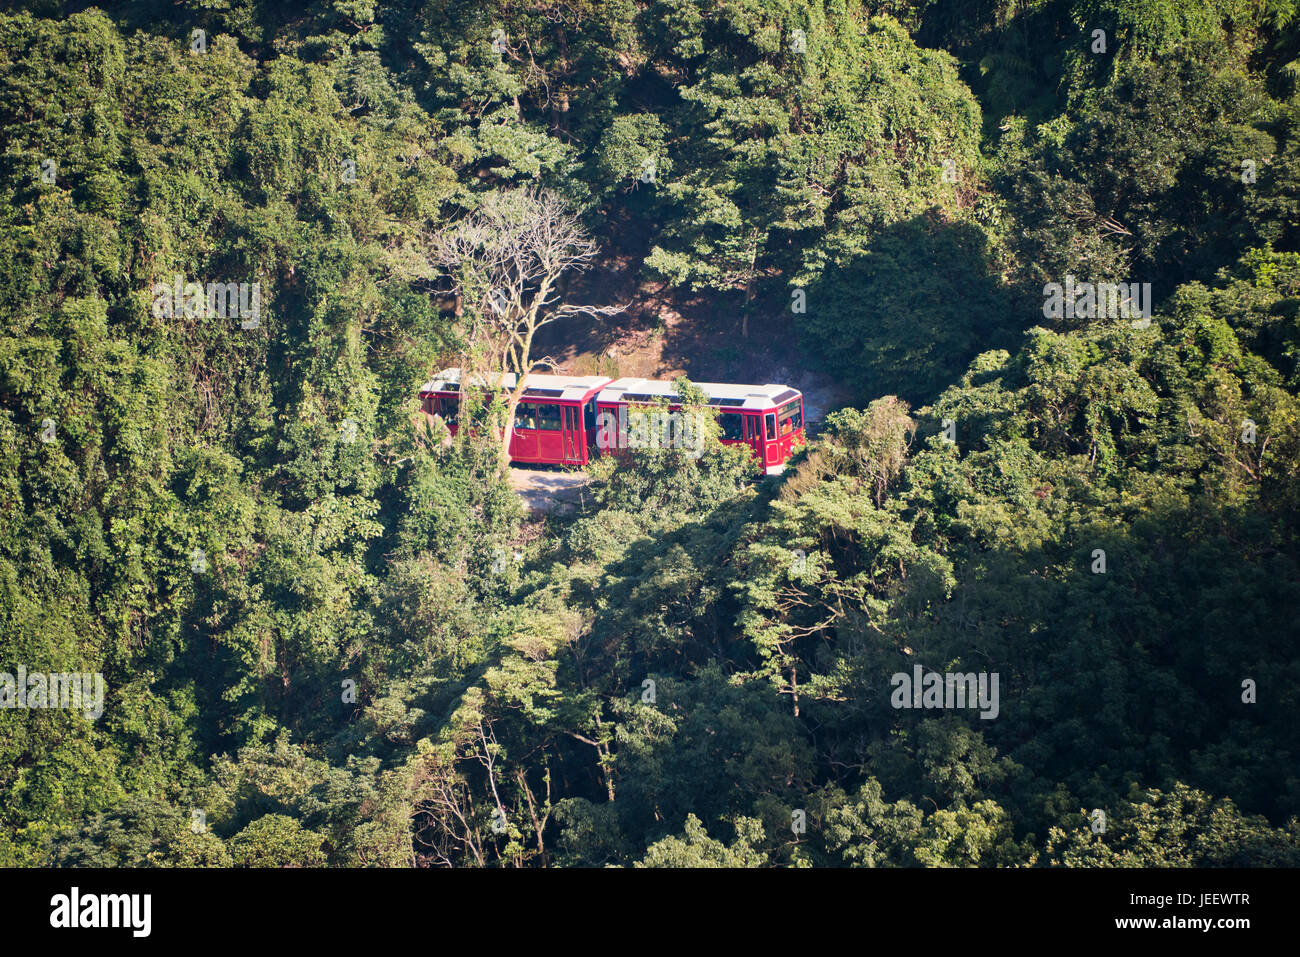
<point x="507" y="432"/>
<point x="744" y="310"/>
<point x="560" y="102"/>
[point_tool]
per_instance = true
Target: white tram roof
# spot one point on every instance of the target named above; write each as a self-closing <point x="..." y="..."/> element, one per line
<point x="573" y="388"/>
<point x="722" y="394"/>
<point x="568" y="387"/>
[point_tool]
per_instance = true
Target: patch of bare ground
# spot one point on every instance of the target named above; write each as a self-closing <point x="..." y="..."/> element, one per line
<point x="549" y="490"/>
<point x="666" y="332"/>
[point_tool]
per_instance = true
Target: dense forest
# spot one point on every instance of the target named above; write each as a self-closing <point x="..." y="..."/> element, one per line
<point x="311" y="649"/>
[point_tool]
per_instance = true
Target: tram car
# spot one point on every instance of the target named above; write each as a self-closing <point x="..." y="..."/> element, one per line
<point x="565" y="420"/>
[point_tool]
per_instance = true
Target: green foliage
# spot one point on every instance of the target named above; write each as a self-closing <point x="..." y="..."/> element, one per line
<point x="329" y="638"/>
<point x="697" y="849"/>
<point x="143" y="832"/>
<point x="276" y="841"/>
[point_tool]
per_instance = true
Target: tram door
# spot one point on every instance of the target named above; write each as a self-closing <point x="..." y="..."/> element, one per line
<point x="773" y="456"/>
<point x="572" y="435"/>
<point x="589" y="428"/>
<point x="754" y="434"/>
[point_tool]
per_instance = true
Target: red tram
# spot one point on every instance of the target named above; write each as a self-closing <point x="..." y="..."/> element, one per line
<point x="563" y="420"/>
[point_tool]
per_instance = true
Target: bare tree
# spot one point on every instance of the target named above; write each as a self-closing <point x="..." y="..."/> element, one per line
<point x="506" y="259"/>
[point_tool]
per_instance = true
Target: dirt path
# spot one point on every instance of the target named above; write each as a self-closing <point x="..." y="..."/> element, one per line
<point x="546" y="490"/>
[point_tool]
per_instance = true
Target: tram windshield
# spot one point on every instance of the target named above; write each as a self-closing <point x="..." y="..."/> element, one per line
<point x="791" y="417"/>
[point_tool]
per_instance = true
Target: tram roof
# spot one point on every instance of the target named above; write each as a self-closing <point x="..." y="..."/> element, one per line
<point x="575" y="388"/>
<point x="538" y="386"/>
<point x="721" y="394"/>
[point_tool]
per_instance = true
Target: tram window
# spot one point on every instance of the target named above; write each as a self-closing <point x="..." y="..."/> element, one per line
<point x="525" y="416"/>
<point x="548" y="417"/>
<point x="791" y="418"/>
<point x="589" y="415"/>
<point x="770" y="421"/>
<point x="733" y="425"/>
<point x="449" y="409"/>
